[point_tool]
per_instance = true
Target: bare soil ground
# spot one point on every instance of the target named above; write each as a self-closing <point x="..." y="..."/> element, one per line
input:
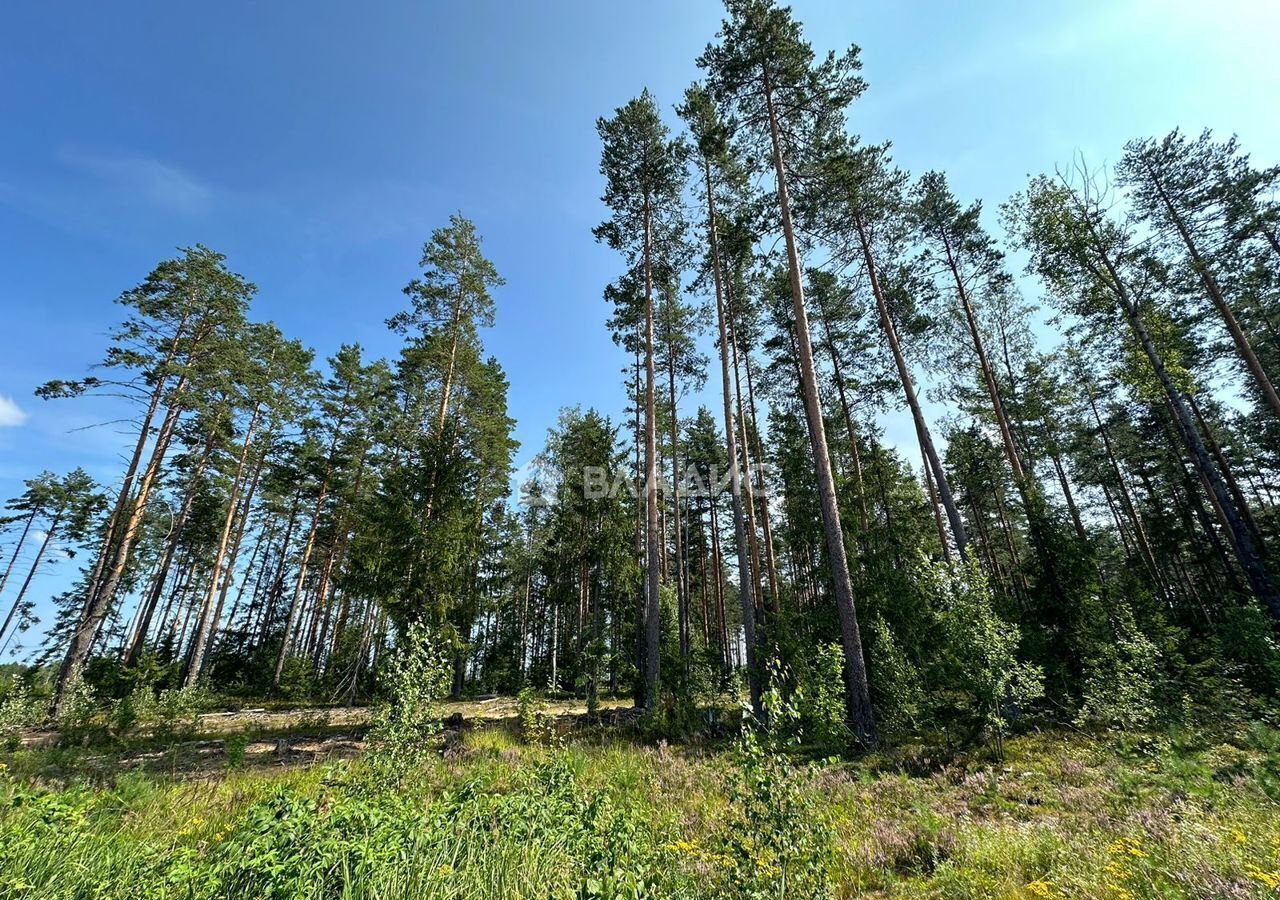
<point x="304" y="736"/>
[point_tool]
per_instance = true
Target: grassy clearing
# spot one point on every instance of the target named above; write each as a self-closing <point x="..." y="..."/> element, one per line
<point x="1168" y="814"/>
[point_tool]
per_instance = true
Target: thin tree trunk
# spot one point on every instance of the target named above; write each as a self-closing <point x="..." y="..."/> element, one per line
<point x="770" y="563"/>
<point x="22" y="591"/>
<point x="934" y="508"/>
<point x="988" y="375"/>
<point x="1214" y="291"/>
<point x="908" y="388"/>
<point x="86" y="630"/>
<point x="735" y="476"/>
<point x="682" y="585"/>
<point x="1227" y="473"/>
<point x="171" y="547"/>
<point x="1251" y="563"/>
<point x="207" y="621"/>
<point x="837" y="373"/>
<point x="652" y="609"/>
<point x="748" y="484"/>
<point x="22" y="539"/>
<point x="857" y="691"/>
<point x="1126" y="499"/>
<point x="296" y="606"/>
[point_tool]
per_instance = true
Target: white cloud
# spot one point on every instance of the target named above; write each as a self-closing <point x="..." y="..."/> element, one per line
<point x="11" y="415"/>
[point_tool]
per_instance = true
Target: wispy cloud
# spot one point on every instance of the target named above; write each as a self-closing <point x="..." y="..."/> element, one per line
<point x="158" y="183"/>
<point x="116" y="196"/>
<point x="1076" y="32"/>
<point x="11" y="415"/>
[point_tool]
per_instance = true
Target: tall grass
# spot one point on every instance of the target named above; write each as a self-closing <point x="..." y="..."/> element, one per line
<point x="1161" y="815"/>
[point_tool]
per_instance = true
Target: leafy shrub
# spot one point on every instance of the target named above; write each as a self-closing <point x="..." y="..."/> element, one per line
<point x="899" y="693"/>
<point x="172" y="714"/>
<point x="235" y="747"/>
<point x="78" y="717"/>
<point x="819" y="697"/>
<point x="532" y="718"/>
<point x="1121" y="671"/>
<point x="1247" y="638"/>
<point x="778" y="838"/>
<point x="19" y="710"/>
<point x="414" y="678"/>
<point x="977" y="648"/>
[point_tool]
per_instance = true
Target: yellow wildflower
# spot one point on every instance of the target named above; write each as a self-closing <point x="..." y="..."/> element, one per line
<point x="1126" y="847"/>
<point x="1238" y="836"/>
<point x="444" y="870"/>
<point x="1270" y="879"/>
<point x="218" y="836"/>
<point x="1040" y="888"/>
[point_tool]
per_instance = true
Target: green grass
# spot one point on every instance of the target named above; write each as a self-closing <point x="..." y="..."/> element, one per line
<point x="1168" y="814"/>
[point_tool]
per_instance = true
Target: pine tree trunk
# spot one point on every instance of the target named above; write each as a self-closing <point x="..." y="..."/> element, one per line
<point x="642" y="588"/>
<point x="908" y="389"/>
<point x="295" y="608"/>
<point x="110" y="537"/>
<point x="1251" y="563"/>
<point x="682" y="585"/>
<point x="264" y="539"/>
<point x="206" y="623"/>
<point x="153" y="596"/>
<point x="1063" y="482"/>
<point x="22" y="591"/>
<point x="857" y="691"/>
<point x="770" y="562"/>
<point x="86" y="630"/>
<point x="1126" y="499"/>
<point x="988" y="375"/>
<point x="1232" y="484"/>
<point x="653" y="552"/>
<point x="735" y="475"/>
<point x="748" y="483"/>
<point x="932" y="494"/>
<point x="1214" y="291"/>
<point x="851" y="434"/>
<point x="22" y="539"/>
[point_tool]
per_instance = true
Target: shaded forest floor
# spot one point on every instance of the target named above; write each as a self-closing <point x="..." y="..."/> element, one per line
<point x="306" y="810"/>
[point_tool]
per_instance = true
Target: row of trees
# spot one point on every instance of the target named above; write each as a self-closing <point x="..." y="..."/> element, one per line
<point x="1087" y="520"/>
<point x="1102" y="501"/>
<point x="274" y="520"/>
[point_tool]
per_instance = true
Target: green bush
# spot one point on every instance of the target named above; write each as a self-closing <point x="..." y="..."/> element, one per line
<point x="19" y="710"/>
<point x="414" y="678"/>
<point x="819" y="697"/>
<point x="531" y="717"/>
<point x="1121" y="669"/>
<point x="895" y="680"/>
<point x="976" y="650"/>
<point x="779" y="841"/>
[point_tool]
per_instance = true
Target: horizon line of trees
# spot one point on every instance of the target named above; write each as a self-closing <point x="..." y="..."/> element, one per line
<point x="276" y="520"/>
<point x="1088" y="532"/>
<point x="1103" y="511"/>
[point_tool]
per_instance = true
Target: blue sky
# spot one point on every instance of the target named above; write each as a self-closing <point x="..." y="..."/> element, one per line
<point x="318" y="145"/>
